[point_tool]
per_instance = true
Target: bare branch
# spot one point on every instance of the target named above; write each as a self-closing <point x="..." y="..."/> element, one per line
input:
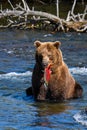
<point x="84" y="14"/>
<point x="26" y="7"/>
<point x="73" y="7"/>
<point x="11" y="4"/>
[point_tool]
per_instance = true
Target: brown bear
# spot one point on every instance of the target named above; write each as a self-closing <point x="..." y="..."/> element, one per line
<point x="51" y="79"/>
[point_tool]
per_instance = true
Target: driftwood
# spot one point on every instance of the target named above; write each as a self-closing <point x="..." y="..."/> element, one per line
<point x="24" y="18"/>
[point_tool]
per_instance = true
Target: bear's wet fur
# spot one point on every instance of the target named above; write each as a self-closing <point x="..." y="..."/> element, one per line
<point x="62" y="85"/>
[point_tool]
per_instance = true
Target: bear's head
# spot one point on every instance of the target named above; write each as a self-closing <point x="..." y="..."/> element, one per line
<point x="48" y="53"/>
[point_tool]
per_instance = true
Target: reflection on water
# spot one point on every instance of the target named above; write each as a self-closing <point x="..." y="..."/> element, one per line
<point x="51" y="108"/>
<point x="19" y="112"/>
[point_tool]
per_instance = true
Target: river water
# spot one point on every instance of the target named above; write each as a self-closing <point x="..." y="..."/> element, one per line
<point x="19" y="112"/>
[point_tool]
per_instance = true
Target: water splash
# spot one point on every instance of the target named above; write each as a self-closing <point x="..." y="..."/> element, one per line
<point x="78" y="70"/>
<point x="81" y="117"/>
<point x="14" y="75"/>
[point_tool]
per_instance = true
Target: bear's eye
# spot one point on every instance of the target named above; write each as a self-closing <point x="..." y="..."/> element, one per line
<point x="50" y="56"/>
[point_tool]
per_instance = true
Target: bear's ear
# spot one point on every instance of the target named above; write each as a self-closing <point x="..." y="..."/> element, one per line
<point x="37" y="43"/>
<point x="57" y="44"/>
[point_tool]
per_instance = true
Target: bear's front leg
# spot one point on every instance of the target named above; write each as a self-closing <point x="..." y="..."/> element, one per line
<point x="42" y="94"/>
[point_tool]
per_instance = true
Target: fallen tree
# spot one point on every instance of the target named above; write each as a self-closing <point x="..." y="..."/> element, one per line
<point x="24" y="18"/>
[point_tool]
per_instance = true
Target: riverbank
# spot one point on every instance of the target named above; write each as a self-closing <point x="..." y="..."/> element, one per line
<point x="21" y="16"/>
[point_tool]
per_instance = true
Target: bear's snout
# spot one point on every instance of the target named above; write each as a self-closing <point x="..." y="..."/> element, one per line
<point x="45" y="61"/>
